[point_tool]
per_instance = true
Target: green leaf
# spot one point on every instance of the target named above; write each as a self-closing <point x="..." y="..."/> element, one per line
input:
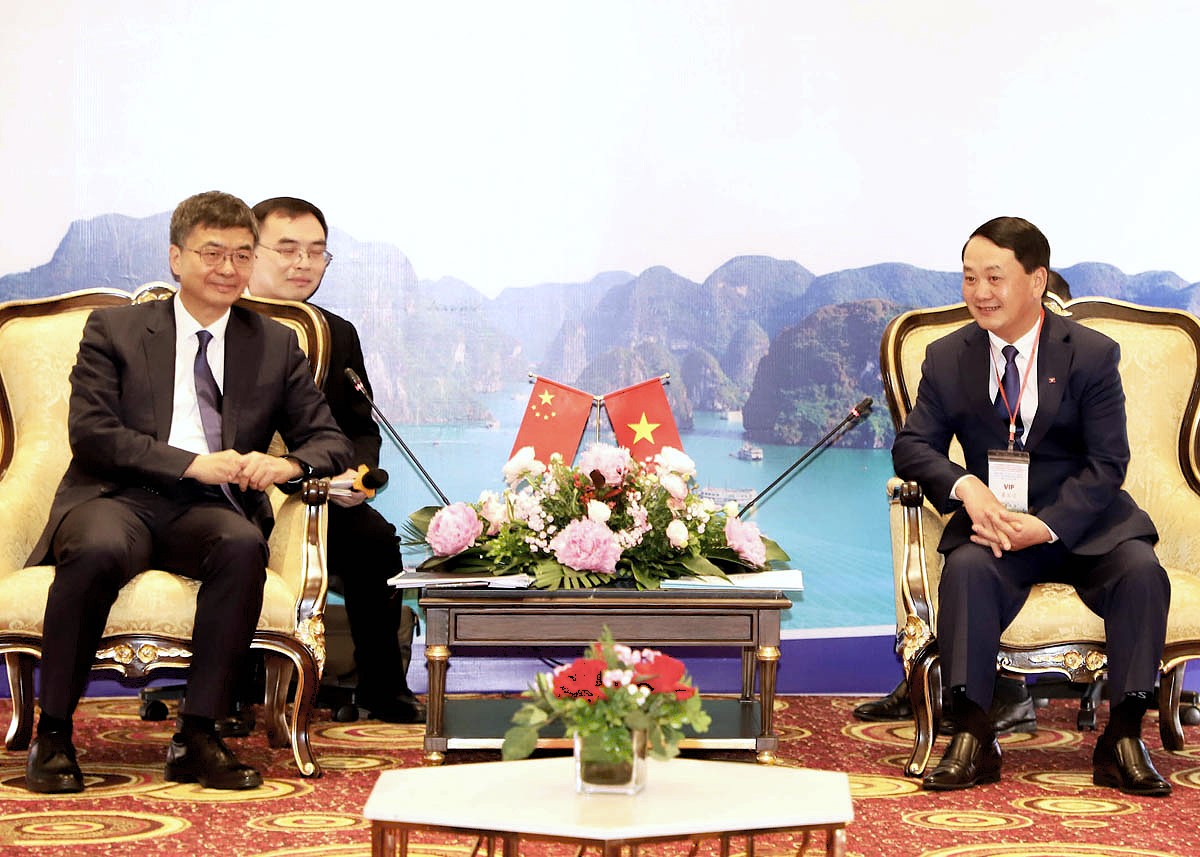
<point x="422" y="517"/>
<point x="774" y="552"/>
<point x="698" y="565"/>
<point x="530" y="715"/>
<point x="519" y="742"/>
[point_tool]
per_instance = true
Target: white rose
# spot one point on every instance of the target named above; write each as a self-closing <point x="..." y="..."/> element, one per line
<point x="522" y="465"/>
<point x="675" y="486"/>
<point x="675" y="461"/>
<point x="598" y="512"/>
<point x="677" y="534"/>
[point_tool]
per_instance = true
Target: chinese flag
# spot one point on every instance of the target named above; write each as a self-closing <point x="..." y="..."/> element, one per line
<point x="642" y="419"/>
<point x="554" y="420"/>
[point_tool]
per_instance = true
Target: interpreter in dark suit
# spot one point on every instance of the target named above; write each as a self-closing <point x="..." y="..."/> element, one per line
<point x="1056" y="429"/>
<point x="173" y="406"/>
<point x="364" y="550"/>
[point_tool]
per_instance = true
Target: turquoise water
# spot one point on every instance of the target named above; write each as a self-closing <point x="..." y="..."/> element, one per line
<point x="830" y="515"/>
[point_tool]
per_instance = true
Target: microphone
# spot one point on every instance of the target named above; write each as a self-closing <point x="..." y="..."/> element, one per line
<point x="368" y="481"/>
<point x="849" y="421"/>
<point x="358" y="385"/>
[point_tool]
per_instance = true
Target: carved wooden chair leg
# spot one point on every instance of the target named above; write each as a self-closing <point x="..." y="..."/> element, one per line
<point x="20" y="685"/>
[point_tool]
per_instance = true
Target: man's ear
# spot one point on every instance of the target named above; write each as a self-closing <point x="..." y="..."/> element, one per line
<point x="1041" y="277"/>
<point x="174" y="254"/>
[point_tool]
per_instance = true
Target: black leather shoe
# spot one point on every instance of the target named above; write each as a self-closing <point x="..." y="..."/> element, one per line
<point x="197" y="757"/>
<point x="967" y="762"/>
<point x="239" y="724"/>
<point x="894" y="706"/>
<point x="1005" y="716"/>
<point x="50" y="767"/>
<point x="1124" y="764"/>
<point x="396" y="708"/>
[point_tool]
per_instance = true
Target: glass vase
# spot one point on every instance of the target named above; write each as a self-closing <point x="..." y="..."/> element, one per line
<point x="612" y="762"/>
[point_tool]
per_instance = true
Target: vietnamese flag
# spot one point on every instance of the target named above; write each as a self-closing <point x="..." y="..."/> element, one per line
<point x="642" y="419"/>
<point x="554" y="420"/>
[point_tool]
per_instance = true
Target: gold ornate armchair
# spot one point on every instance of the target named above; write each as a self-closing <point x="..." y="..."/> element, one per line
<point x="150" y="625"/>
<point x="1055" y="632"/>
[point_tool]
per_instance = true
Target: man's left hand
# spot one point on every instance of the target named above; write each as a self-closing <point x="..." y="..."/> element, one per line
<point x="355" y="497"/>
<point x="260" y="471"/>
<point x="1022" y="531"/>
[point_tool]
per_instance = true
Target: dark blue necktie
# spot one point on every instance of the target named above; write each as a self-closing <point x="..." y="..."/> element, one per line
<point x="208" y="395"/>
<point x="1010" y="383"/>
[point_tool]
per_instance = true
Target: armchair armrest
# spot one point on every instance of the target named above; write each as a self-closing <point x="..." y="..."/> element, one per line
<point x="916" y="528"/>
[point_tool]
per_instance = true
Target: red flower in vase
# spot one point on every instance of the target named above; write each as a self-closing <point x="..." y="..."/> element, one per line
<point x="662" y="674"/>
<point x="582" y="679"/>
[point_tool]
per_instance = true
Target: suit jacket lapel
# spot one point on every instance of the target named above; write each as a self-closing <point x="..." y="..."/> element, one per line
<point x="1054" y="362"/>
<point x="243" y="354"/>
<point x="975" y="367"/>
<point x="158" y="346"/>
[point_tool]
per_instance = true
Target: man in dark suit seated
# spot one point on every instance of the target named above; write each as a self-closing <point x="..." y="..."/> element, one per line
<point x="173" y="406"/>
<point x="1036" y="401"/>
<point x="364" y="550"/>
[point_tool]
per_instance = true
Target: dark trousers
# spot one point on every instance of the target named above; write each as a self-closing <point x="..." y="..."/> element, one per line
<point x="364" y="551"/>
<point x="103" y="543"/>
<point x="979" y="595"/>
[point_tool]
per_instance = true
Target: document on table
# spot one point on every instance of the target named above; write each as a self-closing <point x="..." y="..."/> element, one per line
<point x="780" y="578"/>
<point x="419" y="579"/>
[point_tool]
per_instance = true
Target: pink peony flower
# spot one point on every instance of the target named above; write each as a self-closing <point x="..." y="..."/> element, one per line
<point x="677" y="534"/>
<point x="587" y="545"/>
<point x="746" y="540"/>
<point x="454" y="528"/>
<point x="611" y="461"/>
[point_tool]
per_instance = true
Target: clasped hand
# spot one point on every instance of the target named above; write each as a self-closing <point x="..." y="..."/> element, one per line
<point x="996" y="527"/>
<point x="255" y="470"/>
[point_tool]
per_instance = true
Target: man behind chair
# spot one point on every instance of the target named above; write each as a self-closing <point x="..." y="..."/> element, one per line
<point x="173" y="406"/>
<point x="1037" y="398"/>
<point x="364" y="551"/>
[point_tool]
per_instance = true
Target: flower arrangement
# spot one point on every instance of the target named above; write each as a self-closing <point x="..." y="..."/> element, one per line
<point x="609" y="518"/>
<point x="604" y="696"/>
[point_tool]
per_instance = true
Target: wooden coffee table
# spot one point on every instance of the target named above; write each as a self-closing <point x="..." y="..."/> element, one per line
<point x="746" y="618"/>
<point x="684" y="799"/>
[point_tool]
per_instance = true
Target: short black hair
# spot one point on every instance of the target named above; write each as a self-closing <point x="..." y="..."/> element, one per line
<point x="289" y="206"/>
<point x="214" y="209"/>
<point x="1026" y="241"/>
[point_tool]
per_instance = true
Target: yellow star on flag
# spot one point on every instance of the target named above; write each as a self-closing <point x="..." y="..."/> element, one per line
<point x="643" y="429"/>
<point x="546" y="396"/>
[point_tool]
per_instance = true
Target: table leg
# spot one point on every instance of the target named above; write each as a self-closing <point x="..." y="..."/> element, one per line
<point x="437" y="659"/>
<point x="748" y="667"/>
<point x="768" y="665"/>
<point x="510" y="845"/>
<point x="835" y="842"/>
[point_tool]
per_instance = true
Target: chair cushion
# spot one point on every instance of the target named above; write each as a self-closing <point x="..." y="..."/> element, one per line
<point x="1054" y="613"/>
<point x="154" y="602"/>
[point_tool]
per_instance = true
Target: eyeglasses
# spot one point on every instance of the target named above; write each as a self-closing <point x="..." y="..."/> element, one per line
<point x="214" y="256"/>
<point x="291" y="253"/>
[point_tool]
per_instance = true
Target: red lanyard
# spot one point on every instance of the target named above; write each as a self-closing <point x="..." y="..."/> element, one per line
<point x="1013" y="410"/>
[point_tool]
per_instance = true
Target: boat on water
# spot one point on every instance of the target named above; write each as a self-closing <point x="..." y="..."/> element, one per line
<point x="749" y="452"/>
<point x="721" y="496"/>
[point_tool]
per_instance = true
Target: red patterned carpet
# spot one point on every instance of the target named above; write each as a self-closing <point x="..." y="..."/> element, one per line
<point x="1045" y="806"/>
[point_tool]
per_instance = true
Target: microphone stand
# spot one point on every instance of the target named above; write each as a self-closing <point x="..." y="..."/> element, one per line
<point x="358" y="385"/>
<point x="856" y="413"/>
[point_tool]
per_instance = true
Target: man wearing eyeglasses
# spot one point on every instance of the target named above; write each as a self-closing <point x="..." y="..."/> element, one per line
<point x="173" y="406"/>
<point x="364" y="550"/>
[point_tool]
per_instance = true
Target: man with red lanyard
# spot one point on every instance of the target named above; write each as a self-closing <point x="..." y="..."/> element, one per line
<point x="1036" y="402"/>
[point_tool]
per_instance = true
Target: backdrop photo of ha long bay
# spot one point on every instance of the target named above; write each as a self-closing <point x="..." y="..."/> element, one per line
<point x="763" y="357"/>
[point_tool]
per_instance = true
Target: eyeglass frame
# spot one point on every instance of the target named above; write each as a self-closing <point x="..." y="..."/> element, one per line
<point x="325" y="256"/>
<point x="225" y="255"/>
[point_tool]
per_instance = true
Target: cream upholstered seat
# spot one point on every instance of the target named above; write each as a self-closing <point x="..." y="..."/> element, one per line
<point x="1055" y="631"/>
<point x="150" y="625"/>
